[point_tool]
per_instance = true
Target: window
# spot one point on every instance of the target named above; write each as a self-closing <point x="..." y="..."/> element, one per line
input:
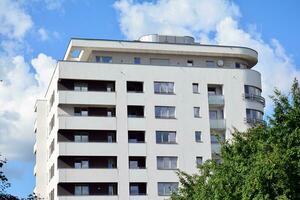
<point x="138" y="188"/>
<point x="104" y="59"/>
<point x="166" y="189"/>
<point x="190" y="63"/>
<point x="111" y="190"/>
<point x="163" y="87"/>
<point x="198" y="136"/>
<point x="51" y="172"/>
<point x="51" y="195"/>
<point x="135" y="86"/>
<point x="111" y="163"/>
<point x="81" y="138"/>
<point x="213" y="114"/>
<point x="195" y="88"/>
<point x="168" y="137"/>
<point x="81" y="190"/>
<point x="137" y="60"/>
<point x="137" y="162"/>
<point x="135" y="111"/>
<point x="51" y="148"/>
<point x="51" y="124"/>
<point x="210" y="63"/>
<point x="166" y="112"/>
<point x="164" y="162"/>
<point x="52" y="99"/>
<point x="199" y="160"/>
<point x="254" y="116"/>
<point x="252" y="90"/>
<point x="136" y="136"/>
<point x="212" y="91"/>
<point x="158" y="61"/>
<point x="197" y="112"/>
<point x="81" y="111"/>
<point x="84" y="164"/>
<point x="241" y="66"/>
<point x="78" y="86"/>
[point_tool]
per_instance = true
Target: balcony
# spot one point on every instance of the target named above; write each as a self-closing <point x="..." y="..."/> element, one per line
<point x="257" y="98"/>
<point x="87" y="175"/>
<point x="216" y="100"/>
<point x="87" y="148"/>
<point x="86" y="85"/>
<point x="86" y="97"/>
<point x="136" y="189"/>
<point x="86" y="136"/>
<point x="87" y="162"/>
<point x="218" y="124"/>
<point x="137" y="162"/>
<point x="87" y="190"/>
<point x="254" y="121"/>
<point x="135" y="111"/>
<point x="88" y="197"/>
<point x="87" y="122"/>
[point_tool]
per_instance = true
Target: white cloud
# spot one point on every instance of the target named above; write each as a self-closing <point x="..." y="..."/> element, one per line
<point x="213" y="21"/>
<point x="181" y="17"/>
<point x="54" y="4"/>
<point x="14" y="21"/>
<point x="43" y="34"/>
<point x="18" y="92"/>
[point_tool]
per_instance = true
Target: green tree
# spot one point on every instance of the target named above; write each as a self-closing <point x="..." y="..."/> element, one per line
<point x="262" y="163"/>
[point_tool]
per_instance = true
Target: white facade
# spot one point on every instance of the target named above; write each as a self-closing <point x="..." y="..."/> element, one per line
<point x="97" y="140"/>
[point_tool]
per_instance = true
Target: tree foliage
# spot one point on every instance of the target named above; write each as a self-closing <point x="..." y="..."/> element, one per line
<point x="261" y="163"/>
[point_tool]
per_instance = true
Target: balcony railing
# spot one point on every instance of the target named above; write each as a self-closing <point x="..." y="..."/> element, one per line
<point x="215" y="148"/>
<point x="254" y="97"/>
<point x="254" y="121"/>
<point x="217" y="124"/>
<point x="216" y="100"/>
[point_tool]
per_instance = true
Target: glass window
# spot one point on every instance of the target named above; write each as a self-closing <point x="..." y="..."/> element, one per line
<point x="197" y="112"/>
<point x="110" y="190"/>
<point x="210" y="63"/>
<point x="133" y="164"/>
<point x="134" y="190"/>
<point x="164" y="87"/>
<point x="85" y="190"/>
<point x="166" y="137"/>
<point x="111" y="163"/>
<point x="199" y="160"/>
<point x="81" y="138"/>
<point x="164" y="162"/>
<point x="81" y="111"/>
<point x="166" y="189"/>
<point x="237" y="65"/>
<point x="85" y="164"/>
<point x="195" y="88"/>
<point x="190" y="63"/>
<point x="212" y="91"/>
<point x="137" y="60"/>
<point x="78" y="86"/>
<point x="104" y="59"/>
<point x="165" y="112"/>
<point x="198" y="136"/>
<point x="81" y="190"/>
<point x="213" y="114"/>
<point x="252" y="90"/>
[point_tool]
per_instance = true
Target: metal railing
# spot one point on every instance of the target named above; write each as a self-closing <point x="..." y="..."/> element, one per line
<point x="254" y="97"/>
<point x="215" y="99"/>
<point x="219" y="124"/>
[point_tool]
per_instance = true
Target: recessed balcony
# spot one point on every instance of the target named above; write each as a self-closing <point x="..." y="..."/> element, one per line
<point x="257" y="98"/>
<point x="216" y="100"/>
<point x="87" y="190"/>
<point x="218" y="124"/>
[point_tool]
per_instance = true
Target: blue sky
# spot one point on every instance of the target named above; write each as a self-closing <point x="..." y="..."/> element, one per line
<point x="270" y="26"/>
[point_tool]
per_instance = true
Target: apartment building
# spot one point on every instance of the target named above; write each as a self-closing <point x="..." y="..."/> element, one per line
<point x="120" y="117"/>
